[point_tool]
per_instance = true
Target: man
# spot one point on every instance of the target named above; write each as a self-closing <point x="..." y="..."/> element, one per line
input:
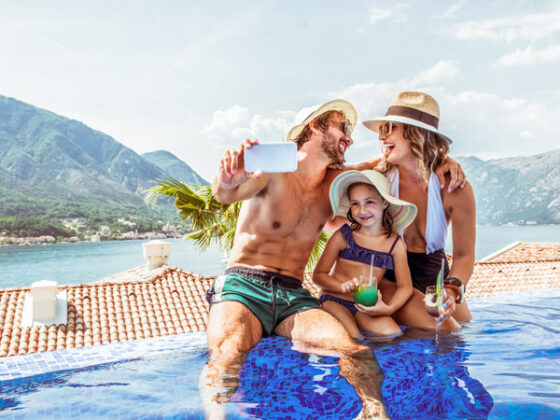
<point x="280" y="220"/>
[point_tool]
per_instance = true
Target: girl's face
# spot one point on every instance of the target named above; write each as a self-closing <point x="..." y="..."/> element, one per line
<point x="395" y="147"/>
<point x="366" y="205"/>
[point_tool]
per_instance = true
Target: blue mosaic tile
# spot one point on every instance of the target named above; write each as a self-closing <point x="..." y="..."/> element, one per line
<point x="69" y="359"/>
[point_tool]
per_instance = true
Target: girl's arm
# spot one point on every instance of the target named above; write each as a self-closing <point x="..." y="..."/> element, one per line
<point x="404" y="286"/>
<point x="321" y="276"/>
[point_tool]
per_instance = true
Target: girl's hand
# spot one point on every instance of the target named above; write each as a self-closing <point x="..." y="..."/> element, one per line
<point x="379" y="309"/>
<point x="449" y="307"/>
<point x="349" y="286"/>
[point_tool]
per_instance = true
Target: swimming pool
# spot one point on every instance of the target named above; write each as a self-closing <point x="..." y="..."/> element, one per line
<point x="503" y="365"/>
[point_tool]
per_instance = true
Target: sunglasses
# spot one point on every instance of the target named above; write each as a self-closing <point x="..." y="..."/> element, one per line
<point x="346" y="128"/>
<point x="386" y="128"/>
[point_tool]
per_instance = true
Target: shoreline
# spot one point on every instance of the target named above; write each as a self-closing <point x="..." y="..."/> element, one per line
<point x="11" y="241"/>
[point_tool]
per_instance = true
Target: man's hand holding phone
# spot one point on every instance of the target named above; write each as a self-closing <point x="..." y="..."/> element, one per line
<point x="232" y="171"/>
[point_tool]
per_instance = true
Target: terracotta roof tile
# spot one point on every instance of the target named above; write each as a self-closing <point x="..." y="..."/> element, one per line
<point x="525" y="251"/>
<point x="169" y="300"/>
<point x="494" y="278"/>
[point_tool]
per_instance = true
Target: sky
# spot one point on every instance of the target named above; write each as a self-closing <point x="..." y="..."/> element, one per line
<point x="196" y="78"/>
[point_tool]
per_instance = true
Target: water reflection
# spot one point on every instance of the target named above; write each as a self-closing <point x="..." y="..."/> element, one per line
<point x="428" y="380"/>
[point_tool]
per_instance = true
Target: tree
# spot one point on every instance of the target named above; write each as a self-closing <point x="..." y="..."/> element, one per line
<point x="210" y="219"/>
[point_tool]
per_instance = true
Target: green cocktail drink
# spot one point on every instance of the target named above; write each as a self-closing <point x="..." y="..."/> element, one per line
<point x="365" y="295"/>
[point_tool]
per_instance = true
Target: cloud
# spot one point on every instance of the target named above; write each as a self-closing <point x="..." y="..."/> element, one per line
<point x="528" y="56"/>
<point x="228" y="128"/>
<point x="374" y="96"/>
<point x="442" y="71"/>
<point x="531" y="27"/>
<point x="481" y="123"/>
<point x="377" y="14"/>
<point x="224" y="122"/>
<point x="453" y="9"/>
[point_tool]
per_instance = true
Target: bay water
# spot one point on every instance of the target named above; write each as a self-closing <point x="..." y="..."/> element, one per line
<point x="84" y="262"/>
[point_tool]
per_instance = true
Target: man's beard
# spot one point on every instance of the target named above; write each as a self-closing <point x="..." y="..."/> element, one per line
<point x="330" y="147"/>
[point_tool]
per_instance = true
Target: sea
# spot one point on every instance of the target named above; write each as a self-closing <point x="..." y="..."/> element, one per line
<point x="84" y="262"/>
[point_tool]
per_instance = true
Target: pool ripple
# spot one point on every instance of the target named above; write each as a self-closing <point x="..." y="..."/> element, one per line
<point x="503" y="365"/>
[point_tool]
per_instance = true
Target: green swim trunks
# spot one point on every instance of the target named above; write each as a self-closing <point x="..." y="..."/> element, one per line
<point x="272" y="297"/>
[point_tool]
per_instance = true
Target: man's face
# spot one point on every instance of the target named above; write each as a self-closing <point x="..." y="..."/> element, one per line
<point x="336" y="140"/>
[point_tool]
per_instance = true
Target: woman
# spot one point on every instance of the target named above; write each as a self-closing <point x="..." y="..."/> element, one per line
<point x="413" y="148"/>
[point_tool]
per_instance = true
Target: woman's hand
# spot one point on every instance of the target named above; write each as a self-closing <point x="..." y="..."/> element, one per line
<point x="379" y="309"/>
<point x="349" y="286"/>
<point x="449" y="307"/>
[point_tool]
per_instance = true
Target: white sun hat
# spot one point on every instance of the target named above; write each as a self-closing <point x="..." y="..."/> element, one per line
<point x="340" y="105"/>
<point x="403" y="212"/>
<point x="413" y="108"/>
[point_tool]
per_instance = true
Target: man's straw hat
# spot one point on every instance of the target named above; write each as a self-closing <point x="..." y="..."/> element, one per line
<point x="337" y="105"/>
<point x="412" y="108"/>
<point x="403" y="212"/>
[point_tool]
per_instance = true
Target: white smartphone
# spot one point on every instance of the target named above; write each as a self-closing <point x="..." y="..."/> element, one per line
<point x="271" y="157"/>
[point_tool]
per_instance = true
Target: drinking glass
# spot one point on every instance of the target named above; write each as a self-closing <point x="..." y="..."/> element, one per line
<point x="433" y="303"/>
<point x="366" y="291"/>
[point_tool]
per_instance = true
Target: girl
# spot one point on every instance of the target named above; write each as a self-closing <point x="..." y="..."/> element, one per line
<point x="374" y="215"/>
<point x="413" y="148"/>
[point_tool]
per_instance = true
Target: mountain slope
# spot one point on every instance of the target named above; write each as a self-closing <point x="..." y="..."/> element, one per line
<point x="54" y="167"/>
<point x="174" y="166"/>
<point x="516" y="190"/>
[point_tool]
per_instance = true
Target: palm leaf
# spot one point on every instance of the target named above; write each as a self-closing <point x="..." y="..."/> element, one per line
<point x="318" y="250"/>
<point x="208" y="218"/>
<point x="211" y="220"/>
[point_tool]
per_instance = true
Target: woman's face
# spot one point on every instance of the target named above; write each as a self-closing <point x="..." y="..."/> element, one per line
<point x="366" y="204"/>
<point x="395" y="147"/>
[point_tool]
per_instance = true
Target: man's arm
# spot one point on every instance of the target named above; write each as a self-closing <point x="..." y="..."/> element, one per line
<point x="369" y="164"/>
<point x="233" y="183"/>
<point x="458" y="177"/>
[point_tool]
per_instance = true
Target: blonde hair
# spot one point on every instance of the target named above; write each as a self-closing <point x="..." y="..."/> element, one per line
<point x="322" y="121"/>
<point x="429" y="149"/>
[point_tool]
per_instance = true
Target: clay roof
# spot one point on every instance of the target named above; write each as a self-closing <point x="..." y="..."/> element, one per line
<point x="495" y="278"/>
<point x="525" y="251"/>
<point x="141" y="303"/>
<point x="172" y="302"/>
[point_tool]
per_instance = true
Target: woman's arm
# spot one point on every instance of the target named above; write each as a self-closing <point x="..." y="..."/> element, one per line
<point x="463" y="222"/>
<point x="321" y="274"/>
<point x="402" y="274"/>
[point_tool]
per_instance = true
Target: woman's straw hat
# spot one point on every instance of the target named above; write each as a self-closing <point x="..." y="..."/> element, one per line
<point x="337" y="105"/>
<point x="412" y="108"/>
<point x="403" y="212"/>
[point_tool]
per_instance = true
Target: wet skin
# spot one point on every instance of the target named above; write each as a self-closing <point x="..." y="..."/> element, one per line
<point x="281" y="218"/>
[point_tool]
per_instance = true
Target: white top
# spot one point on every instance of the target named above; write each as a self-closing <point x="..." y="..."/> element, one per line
<point x="436" y="223"/>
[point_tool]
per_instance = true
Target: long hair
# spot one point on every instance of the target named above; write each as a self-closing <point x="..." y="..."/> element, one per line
<point x="386" y="223"/>
<point x="322" y="122"/>
<point x="429" y="149"/>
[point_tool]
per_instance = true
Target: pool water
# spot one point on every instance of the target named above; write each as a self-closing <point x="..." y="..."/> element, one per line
<point x="503" y="365"/>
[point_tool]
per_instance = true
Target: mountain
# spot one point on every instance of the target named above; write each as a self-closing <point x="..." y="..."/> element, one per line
<point x="52" y="167"/>
<point x="519" y="190"/>
<point x="174" y="166"/>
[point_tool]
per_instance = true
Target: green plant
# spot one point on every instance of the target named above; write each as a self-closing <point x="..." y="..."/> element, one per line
<point x="210" y="219"/>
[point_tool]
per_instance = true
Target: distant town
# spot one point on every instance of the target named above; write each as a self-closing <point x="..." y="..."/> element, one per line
<point x="124" y="230"/>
